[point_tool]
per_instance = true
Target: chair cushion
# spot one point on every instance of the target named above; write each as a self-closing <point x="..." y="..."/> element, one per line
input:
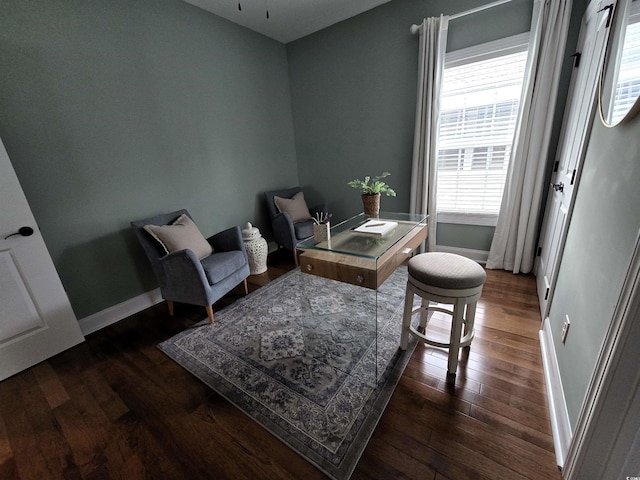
<point x="295" y="206"/>
<point x="446" y="270"/>
<point x="220" y="265"/>
<point x="181" y="234"/>
<point x="303" y="229"/>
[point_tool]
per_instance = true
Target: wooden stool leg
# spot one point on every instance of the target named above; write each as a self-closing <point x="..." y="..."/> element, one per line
<point x="246" y="287"/>
<point x="406" y="318"/>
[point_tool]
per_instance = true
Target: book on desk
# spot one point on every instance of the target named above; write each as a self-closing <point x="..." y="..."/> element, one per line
<point x="376" y="227"/>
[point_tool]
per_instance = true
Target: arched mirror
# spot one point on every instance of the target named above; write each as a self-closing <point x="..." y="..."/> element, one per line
<point x="620" y="76"/>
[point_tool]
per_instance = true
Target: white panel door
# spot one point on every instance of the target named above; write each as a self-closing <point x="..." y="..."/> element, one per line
<point x="578" y="119"/>
<point x="36" y="319"/>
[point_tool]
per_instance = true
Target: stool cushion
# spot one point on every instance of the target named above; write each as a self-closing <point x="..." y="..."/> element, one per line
<point x="446" y="270"/>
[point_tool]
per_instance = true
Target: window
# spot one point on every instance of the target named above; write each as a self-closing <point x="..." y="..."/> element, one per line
<point x="481" y="90"/>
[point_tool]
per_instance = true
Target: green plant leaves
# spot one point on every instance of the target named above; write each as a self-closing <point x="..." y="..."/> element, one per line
<point x="375" y="187"/>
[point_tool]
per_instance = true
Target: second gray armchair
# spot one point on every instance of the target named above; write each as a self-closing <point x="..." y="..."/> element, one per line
<point x="291" y="219"/>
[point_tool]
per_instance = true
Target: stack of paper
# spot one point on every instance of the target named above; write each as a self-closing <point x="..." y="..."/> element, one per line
<point x="376" y="227"/>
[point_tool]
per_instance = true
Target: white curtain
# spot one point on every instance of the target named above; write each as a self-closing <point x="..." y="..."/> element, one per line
<point x="514" y="242"/>
<point x="433" y="42"/>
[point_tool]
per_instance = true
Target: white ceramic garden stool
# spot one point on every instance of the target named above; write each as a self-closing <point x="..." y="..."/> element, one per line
<point x="257" y="249"/>
<point x="447" y="279"/>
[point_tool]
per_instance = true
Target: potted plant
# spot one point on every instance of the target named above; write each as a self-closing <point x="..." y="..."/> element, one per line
<point x="371" y="189"/>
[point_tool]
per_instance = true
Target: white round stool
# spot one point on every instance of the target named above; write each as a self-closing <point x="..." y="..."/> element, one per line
<point x="443" y="278"/>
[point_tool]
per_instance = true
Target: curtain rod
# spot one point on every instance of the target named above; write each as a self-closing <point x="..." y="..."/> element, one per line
<point x="415" y="28"/>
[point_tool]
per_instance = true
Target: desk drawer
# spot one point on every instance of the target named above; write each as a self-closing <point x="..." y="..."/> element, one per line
<point x="341" y="269"/>
<point x="364" y="272"/>
<point x="401" y="252"/>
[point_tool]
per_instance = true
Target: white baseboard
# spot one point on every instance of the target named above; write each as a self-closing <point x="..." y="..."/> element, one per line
<point x="114" y="314"/>
<point x="479" y="256"/>
<point x="560" y="425"/>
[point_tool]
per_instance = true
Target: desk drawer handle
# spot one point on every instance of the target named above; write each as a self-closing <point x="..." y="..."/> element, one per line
<point x="360" y="278"/>
<point x="309" y="267"/>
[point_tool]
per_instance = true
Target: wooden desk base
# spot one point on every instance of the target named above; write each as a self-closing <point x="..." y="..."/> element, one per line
<point x="359" y="270"/>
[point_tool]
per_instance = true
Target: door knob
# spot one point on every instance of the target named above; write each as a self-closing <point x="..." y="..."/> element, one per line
<point x="558" y="187"/>
<point x="24" y="231"/>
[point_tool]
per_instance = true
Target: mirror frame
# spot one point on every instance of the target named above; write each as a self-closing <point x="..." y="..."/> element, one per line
<point x="615" y="41"/>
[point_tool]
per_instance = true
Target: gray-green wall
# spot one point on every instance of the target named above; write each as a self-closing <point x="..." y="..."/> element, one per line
<point x="602" y="235"/>
<point x="354" y="89"/>
<point x="116" y="110"/>
<point x="112" y="111"/>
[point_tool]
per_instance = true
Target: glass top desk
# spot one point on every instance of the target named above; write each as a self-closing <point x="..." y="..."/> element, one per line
<point x="363" y="259"/>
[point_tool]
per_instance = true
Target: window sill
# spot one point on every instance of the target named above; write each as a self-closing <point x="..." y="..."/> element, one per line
<point x="486" y="220"/>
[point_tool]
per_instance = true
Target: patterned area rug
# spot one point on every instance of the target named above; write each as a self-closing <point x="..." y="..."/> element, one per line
<point x="305" y="357"/>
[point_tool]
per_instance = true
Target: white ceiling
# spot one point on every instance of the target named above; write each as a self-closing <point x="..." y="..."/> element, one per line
<point x="288" y="19"/>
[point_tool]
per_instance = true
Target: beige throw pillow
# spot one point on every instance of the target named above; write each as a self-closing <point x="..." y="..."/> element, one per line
<point x="295" y="206"/>
<point x="181" y="234"/>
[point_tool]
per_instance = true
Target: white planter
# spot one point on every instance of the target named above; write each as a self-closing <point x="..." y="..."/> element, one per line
<point x="257" y="249"/>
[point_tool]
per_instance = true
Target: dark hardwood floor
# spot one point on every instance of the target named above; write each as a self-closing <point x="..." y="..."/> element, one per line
<point x="117" y="407"/>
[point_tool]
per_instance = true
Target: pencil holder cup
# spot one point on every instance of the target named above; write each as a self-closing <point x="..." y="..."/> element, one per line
<point x="321" y="232"/>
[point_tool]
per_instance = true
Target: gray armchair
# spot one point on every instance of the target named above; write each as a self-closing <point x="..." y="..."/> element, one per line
<point x="185" y="278"/>
<point x="288" y="233"/>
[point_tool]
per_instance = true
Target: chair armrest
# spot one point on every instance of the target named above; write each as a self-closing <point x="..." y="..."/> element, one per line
<point x="227" y="240"/>
<point x="283" y="230"/>
<point x="183" y="273"/>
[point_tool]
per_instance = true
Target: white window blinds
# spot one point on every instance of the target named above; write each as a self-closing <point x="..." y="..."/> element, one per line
<point x="479" y="107"/>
